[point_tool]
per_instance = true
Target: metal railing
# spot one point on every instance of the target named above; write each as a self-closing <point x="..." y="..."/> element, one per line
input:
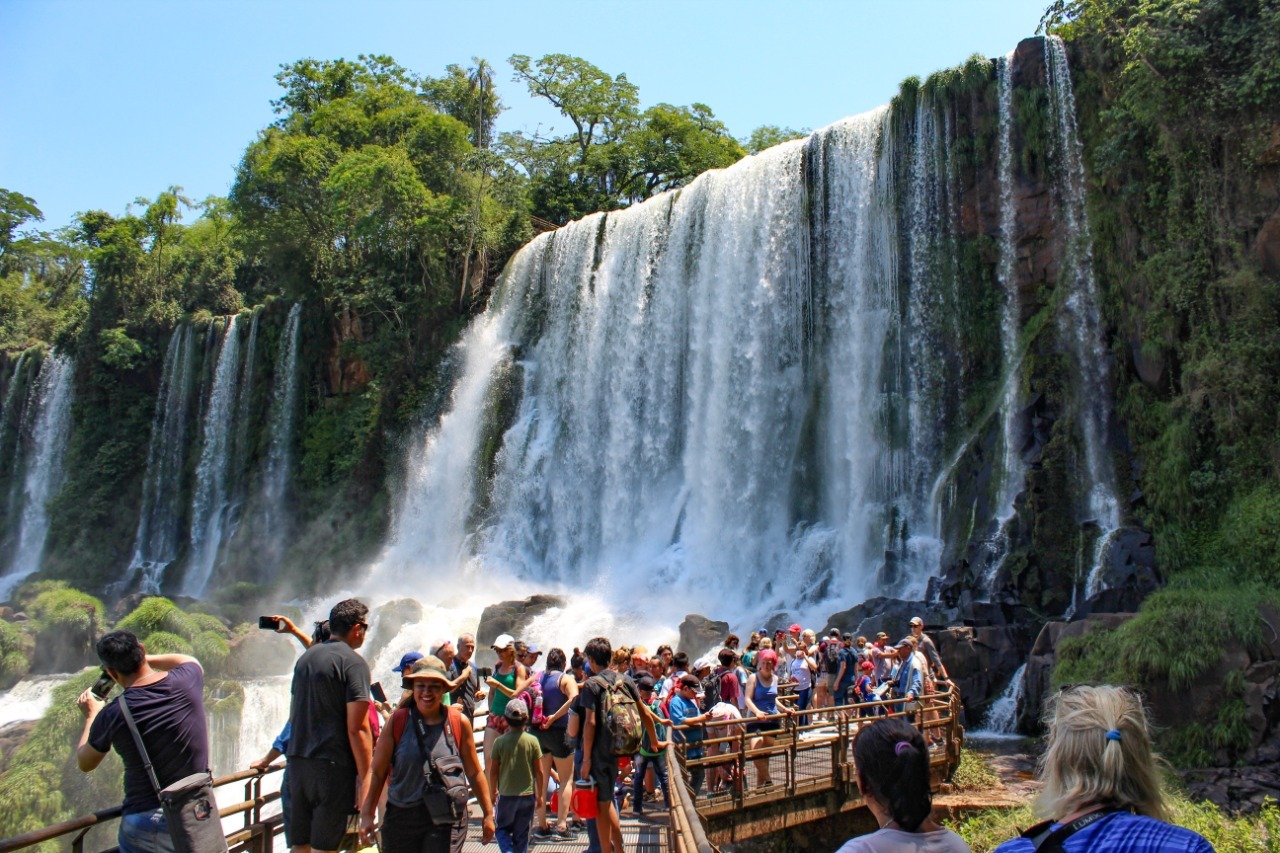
<point x="809" y="763"/>
<point x="255" y="836"/>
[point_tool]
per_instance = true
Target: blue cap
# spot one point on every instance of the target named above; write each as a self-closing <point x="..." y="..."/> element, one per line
<point x="407" y="661"/>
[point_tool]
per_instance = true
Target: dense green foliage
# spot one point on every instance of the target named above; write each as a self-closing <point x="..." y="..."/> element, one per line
<point x="1227" y="833"/>
<point x="381" y="200"/>
<point x="1180" y="107"/>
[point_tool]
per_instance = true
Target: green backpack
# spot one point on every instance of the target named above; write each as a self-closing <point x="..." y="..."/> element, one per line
<point x="623" y="725"/>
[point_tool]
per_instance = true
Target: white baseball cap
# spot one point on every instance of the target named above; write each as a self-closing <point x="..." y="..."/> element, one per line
<point x="504" y="641"/>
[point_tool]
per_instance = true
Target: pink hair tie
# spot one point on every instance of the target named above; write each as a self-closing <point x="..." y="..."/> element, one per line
<point x="901" y="747"/>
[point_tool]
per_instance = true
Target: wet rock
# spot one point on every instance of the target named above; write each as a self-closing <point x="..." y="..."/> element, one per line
<point x="981" y="662"/>
<point x="509" y="617"/>
<point x="12" y="736"/>
<point x="6" y="613"/>
<point x="386" y="621"/>
<point x="262" y="654"/>
<point x="1128" y="576"/>
<point x="890" y="615"/>
<point x="698" y="635"/>
<point x="1036" y="680"/>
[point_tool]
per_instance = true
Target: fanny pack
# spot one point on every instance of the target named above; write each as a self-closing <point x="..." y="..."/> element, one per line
<point x="446" y="791"/>
<point x="189" y="806"/>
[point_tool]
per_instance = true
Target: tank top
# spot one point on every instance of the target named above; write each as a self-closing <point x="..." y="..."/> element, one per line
<point x="553" y="697"/>
<point x="766" y="697"/>
<point x="497" y="699"/>
<point x="407" y="779"/>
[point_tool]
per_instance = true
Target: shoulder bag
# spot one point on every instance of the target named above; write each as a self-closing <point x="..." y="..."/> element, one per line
<point x="189" y="806"/>
<point x="446" y="791"/>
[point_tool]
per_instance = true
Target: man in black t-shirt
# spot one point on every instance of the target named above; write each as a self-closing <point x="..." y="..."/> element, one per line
<point x="331" y="745"/>
<point x="165" y="694"/>
<point x="599" y="762"/>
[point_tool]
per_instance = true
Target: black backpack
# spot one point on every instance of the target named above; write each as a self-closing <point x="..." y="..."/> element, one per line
<point x="832" y="653"/>
<point x="710" y="692"/>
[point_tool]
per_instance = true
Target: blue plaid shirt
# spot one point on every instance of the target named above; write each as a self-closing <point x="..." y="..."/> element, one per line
<point x="1123" y="831"/>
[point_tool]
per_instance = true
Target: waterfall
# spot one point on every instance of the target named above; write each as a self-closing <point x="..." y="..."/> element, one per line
<point x="682" y="377"/>
<point x="1003" y="713"/>
<point x="29" y="698"/>
<point x="1080" y="319"/>
<point x="284" y="408"/>
<point x="10" y="438"/>
<point x="48" y="411"/>
<point x="1012" y="469"/>
<point x="159" y="523"/>
<point x="244" y="402"/>
<point x="209" y="503"/>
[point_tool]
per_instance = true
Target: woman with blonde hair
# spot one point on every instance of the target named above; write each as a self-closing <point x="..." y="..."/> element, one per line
<point x="1101" y="782"/>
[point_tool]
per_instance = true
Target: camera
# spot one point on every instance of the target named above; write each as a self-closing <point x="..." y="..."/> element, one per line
<point x="269" y="623"/>
<point x="102" y="687"/>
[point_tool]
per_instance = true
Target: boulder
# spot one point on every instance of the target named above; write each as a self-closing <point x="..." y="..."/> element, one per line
<point x="981" y="662"/>
<point x="262" y="654"/>
<point x="1037" y="685"/>
<point x="698" y="634"/>
<point x="12" y="736"/>
<point x="891" y="615"/>
<point x="385" y="623"/>
<point x="509" y="617"/>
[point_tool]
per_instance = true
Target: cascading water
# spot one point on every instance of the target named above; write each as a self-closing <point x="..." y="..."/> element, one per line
<point x="1080" y="320"/>
<point x="1003" y="713"/>
<point x="159" y="533"/>
<point x="244" y="398"/>
<point x="691" y="372"/>
<point x="1013" y="469"/>
<point x="209" y="503"/>
<point x="29" y="698"/>
<point x="284" y="407"/>
<point x="49" y="413"/>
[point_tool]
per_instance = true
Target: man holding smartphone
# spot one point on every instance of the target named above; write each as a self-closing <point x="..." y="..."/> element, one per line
<point x="165" y="694"/>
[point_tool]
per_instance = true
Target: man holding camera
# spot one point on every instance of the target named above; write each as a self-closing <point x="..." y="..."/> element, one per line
<point x="165" y="696"/>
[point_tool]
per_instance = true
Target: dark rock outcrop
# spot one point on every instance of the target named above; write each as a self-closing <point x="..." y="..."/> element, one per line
<point x="386" y="622"/>
<point x="262" y="654"/>
<point x="698" y="634"/>
<point x="509" y="617"/>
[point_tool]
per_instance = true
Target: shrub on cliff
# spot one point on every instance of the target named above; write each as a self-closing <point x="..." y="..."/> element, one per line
<point x="66" y="624"/>
<point x="16" y="647"/>
<point x="164" y="628"/>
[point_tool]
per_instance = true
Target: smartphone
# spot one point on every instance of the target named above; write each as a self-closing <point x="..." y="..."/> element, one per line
<point x="268" y="623"/>
<point x="102" y="687"/>
<point x="378" y="693"/>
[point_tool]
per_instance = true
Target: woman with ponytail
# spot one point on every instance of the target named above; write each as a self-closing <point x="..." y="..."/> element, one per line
<point x="893" y="774"/>
<point x="1101" y="780"/>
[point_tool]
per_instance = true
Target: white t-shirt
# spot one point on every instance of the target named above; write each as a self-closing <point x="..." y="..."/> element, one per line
<point x="800" y="673"/>
<point x="897" y="841"/>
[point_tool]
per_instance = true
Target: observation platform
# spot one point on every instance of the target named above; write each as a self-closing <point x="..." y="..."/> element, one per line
<point x="810" y="765"/>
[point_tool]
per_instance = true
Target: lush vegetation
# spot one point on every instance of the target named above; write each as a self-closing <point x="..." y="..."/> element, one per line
<point x="383" y="200"/>
<point x="1258" y="833"/>
<point x="1180" y="107"/>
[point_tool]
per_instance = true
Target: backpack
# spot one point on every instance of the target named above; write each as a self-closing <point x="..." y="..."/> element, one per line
<point x="531" y="694"/>
<point x="399" y="721"/>
<point x="620" y="716"/>
<point x="710" y="692"/>
<point x="832" y="654"/>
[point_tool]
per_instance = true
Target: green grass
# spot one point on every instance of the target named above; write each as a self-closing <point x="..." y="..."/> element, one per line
<point x="1228" y="833"/>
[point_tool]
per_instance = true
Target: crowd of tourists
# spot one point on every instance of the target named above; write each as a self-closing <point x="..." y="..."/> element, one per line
<point x="572" y="739"/>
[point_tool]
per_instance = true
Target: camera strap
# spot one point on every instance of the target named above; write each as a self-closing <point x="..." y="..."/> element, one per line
<point x="137" y="739"/>
<point x="420" y="729"/>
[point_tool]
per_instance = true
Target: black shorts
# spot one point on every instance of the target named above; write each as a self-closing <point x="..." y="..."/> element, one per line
<point x="765" y="726"/>
<point x="411" y="831"/>
<point x="554" y="741"/>
<point x="604" y="772"/>
<point x="322" y="795"/>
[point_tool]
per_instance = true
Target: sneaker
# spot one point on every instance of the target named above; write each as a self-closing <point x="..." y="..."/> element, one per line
<point x="566" y="833"/>
<point x="542" y="833"/>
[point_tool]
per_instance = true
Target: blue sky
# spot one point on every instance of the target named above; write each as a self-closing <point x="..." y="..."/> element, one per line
<point x="103" y="101"/>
